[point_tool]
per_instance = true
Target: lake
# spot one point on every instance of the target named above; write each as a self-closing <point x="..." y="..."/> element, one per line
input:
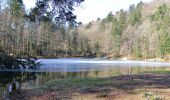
<point x="63" y="68"/>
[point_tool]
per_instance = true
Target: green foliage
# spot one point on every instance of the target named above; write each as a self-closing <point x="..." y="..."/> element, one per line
<point x="116" y="37"/>
<point x="109" y="17"/>
<point x="137" y="52"/>
<point x="98" y="19"/>
<point x="118" y="26"/>
<point x="122" y="20"/>
<point x="97" y="49"/>
<point x="164" y="42"/>
<point x="16" y="6"/>
<point x="75" y="42"/>
<point x="145" y="42"/>
<point x="104" y="94"/>
<point x="135" y="13"/>
<point x="160" y="71"/>
<point x="89" y="25"/>
<point x="137" y="49"/>
<point x="40" y="34"/>
<point x="58" y="11"/>
<point x="161" y="13"/>
<point x="161" y="18"/>
<point x="131" y="8"/>
<point x="102" y="25"/>
<point x="152" y="96"/>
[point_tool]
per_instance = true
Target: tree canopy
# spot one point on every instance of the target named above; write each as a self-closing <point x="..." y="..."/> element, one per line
<point x="58" y="11"/>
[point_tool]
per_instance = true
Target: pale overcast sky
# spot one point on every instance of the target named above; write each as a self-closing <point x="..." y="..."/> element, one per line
<point x="92" y="9"/>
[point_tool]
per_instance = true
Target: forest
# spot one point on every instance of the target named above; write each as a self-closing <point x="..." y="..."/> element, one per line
<point x="46" y="54"/>
<point x="136" y="33"/>
<point x="141" y="32"/>
<point x="39" y="32"/>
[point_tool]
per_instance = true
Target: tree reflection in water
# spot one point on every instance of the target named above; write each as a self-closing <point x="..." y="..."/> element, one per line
<point x="11" y="81"/>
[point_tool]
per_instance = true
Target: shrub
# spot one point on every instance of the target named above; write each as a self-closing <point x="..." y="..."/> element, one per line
<point x="152" y="96"/>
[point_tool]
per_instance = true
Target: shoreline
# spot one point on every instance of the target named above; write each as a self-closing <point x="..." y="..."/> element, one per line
<point x="110" y="59"/>
<point x="123" y="87"/>
<point x="106" y="60"/>
<point x="149" y="60"/>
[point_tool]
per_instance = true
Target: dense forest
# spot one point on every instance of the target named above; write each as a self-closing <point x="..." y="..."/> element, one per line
<point x="141" y="32"/>
<point x="37" y="32"/>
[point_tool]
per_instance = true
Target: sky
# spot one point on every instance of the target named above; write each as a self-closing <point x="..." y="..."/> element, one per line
<point x="90" y="10"/>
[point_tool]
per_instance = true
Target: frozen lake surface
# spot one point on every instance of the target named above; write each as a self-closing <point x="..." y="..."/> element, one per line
<point x="76" y="64"/>
<point x="80" y="64"/>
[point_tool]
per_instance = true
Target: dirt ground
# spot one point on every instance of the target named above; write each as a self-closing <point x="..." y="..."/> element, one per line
<point x="115" y="88"/>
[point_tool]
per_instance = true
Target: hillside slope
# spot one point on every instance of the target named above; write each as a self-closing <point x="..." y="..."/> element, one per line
<point x="141" y="32"/>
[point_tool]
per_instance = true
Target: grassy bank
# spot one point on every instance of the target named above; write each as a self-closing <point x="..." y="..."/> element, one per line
<point x="162" y="71"/>
<point x="113" y="88"/>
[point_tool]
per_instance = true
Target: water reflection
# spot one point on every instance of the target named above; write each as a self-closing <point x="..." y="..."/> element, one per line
<point x="13" y="80"/>
<point x="10" y="81"/>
